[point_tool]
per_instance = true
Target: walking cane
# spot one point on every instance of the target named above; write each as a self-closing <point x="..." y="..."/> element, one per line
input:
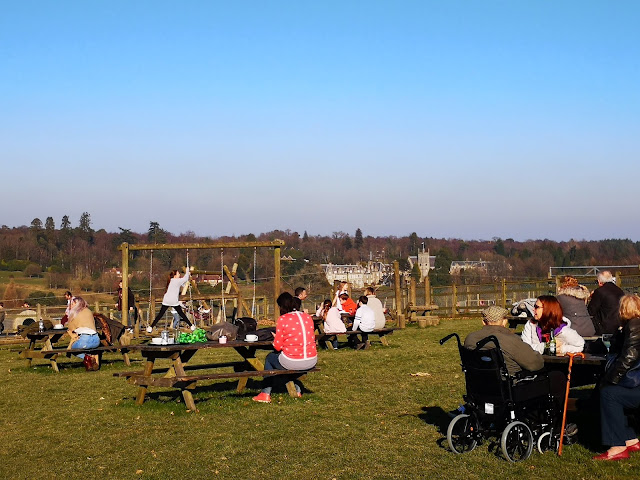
<point x="566" y="398"/>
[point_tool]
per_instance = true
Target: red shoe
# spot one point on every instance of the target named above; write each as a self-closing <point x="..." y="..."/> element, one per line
<point x="618" y="456"/>
<point x="88" y="364"/>
<point x="262" y="398"/>
<point x="634" y="448"/>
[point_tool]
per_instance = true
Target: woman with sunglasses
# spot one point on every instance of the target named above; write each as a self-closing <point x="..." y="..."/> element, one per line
<point x="548" y="320"/>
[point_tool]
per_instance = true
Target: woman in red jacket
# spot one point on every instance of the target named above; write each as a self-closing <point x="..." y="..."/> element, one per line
<point x="295" y="341"/>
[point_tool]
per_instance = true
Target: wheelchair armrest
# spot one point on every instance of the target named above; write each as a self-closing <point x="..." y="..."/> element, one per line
<point x="448" y="337"/>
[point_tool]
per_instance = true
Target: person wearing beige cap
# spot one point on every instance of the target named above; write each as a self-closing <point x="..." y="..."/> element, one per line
<point x="516" y="357"/>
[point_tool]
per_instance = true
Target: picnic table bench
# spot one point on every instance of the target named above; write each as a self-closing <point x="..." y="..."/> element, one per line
<point x="176" y="376"/>
<point x="50" y="337"/>
<point x="380" y="332"/>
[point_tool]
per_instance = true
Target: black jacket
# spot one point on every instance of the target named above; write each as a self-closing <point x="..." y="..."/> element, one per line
<point x="603" y="307"/>
<point x="629" y="354"/>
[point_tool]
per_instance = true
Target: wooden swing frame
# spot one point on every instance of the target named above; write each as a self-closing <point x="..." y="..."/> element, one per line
<point x="125" y="248"/>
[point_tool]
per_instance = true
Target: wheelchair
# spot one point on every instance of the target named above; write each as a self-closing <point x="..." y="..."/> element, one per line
<point x="517" y="410"/>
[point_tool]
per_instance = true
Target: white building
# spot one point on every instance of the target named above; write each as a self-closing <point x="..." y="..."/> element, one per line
<point x="425" y="263"/>
<point x="359" y="276"/>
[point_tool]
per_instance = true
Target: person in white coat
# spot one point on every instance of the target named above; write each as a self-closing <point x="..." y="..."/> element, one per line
<point x="548" y="318"/>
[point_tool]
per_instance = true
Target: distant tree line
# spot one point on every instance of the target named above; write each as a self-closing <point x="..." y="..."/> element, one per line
<point x="86" y="259"/>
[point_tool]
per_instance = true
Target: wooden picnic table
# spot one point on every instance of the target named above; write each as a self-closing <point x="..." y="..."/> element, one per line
<point x="49" y="351"/>
<point x="585" y="371"/>
<point x="48" y="338"/>
<point x="175" y="375"/>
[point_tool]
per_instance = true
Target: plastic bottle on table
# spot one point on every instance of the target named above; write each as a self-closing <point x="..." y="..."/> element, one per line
<point x="552" y="344"/>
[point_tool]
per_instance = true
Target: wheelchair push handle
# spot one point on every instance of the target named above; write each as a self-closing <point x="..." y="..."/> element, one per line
<point x="448" y="337"/>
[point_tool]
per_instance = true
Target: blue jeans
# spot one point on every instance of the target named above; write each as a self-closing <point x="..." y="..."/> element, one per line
<point x="85" y="341"/>
<point x="272" y="362"/>
<point x="615" y="425"/>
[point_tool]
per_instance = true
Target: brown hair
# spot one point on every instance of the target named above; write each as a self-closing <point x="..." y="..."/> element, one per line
<point x="629" y="308"/>
<point x="569" y="281"/>
<point x="172" y="274"/>
<point x="551" y="313"/>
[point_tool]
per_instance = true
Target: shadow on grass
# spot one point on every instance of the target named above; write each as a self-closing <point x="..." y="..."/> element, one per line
<point x="437" y="417"/>
<point x="204" y="393"/>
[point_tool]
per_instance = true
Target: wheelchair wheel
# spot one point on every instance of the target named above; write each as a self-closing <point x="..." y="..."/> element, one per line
<point x="461" y="433"/>
<point x="517" y="441"/>
<point x="547" y="443"/>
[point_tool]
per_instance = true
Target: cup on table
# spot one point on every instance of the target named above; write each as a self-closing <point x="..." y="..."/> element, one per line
<point x="222" y="339"/>
<point x="559" y="350"/>
<point x="606" y="339"/>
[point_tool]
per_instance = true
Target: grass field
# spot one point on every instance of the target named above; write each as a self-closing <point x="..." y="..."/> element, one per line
<point x="364" y="416"/>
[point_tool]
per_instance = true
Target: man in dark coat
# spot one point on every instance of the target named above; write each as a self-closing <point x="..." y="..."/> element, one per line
<point x="605" y="304"/>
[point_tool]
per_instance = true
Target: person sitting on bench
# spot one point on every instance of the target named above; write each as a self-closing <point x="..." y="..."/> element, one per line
<point x="364" y="322"/>
<point x="332" y="321"/>
<point x="81" y="328"/>
<point x="294" y="342"/>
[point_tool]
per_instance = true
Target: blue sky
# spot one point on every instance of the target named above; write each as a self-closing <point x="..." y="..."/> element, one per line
<point x="460" y="119"/>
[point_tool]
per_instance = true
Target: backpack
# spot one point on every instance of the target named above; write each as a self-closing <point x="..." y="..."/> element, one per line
<point x="245" y="325"/>
<point x="223" y="328"/>
<point x="265" y="333"/>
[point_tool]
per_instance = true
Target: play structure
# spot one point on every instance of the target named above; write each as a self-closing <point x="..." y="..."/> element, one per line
<point x="232" y="288"/>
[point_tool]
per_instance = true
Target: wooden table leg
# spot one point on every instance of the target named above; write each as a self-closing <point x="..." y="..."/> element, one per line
<point x="52" y="360"/>
<point x="142" y="390"/>
<point x="178" y="368"/>
<point x="384" y="341"/>
<point x="31" y="349"/>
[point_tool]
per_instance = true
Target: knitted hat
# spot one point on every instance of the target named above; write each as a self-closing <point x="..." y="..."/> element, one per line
<point x="494" y="314"/>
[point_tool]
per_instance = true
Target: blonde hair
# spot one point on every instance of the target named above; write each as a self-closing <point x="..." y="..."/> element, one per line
<point x="629" y="307"/>
<point x="77" y="305"/>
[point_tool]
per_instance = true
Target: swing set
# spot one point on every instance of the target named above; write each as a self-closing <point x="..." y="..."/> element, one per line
<point x="125" y="248"/>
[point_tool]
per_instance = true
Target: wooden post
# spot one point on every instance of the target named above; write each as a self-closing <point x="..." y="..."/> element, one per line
<point x="558" y="282"/>
<point x="125" y="284"/>
<point x="38" y="312"/>
<point x="396" y="277"/>
<point x="619" y="279"/>
<point x="454" y="300"/>
<point x="504" y="293"/>
<point x="427" y="289"/>
<point x="276" y="281"/>
<point x="412" y="291"/>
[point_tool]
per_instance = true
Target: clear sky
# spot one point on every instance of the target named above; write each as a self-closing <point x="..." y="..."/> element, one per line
<point x="461" y="119"/>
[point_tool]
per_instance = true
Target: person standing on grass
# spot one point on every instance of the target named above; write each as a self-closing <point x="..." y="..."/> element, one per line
<point x="2" y="316"/>
<point x="131" y="300"/>
<point x="604" y="303"/>
<point x="170" y="299"/>
<point x="81" y="328"/>
<point x="375" y="304"/>
<point x="302" y="294"/>
<point x="294" y="342"/>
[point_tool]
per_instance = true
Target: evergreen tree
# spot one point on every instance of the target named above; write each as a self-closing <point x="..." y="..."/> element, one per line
<point x="85" y="223"/>
<point x="49" y="225"/>
<point x="358" y="241"/>
<point x="36" y="225"/>
<point x="65" y="225"/>
<point x="156" y="234"/>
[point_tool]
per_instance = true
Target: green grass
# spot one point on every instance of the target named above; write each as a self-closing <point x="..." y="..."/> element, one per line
<point x="364" y="417"/>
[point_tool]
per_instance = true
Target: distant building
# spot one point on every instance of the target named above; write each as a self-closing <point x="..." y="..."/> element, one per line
<point x="359" y="276"/>
<point x="425" y="263"/>
<point x="211" y="279"/>
<point x="460" y="266"/>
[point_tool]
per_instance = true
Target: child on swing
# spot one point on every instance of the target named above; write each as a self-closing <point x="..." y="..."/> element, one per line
<point x="170" y="299"/>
